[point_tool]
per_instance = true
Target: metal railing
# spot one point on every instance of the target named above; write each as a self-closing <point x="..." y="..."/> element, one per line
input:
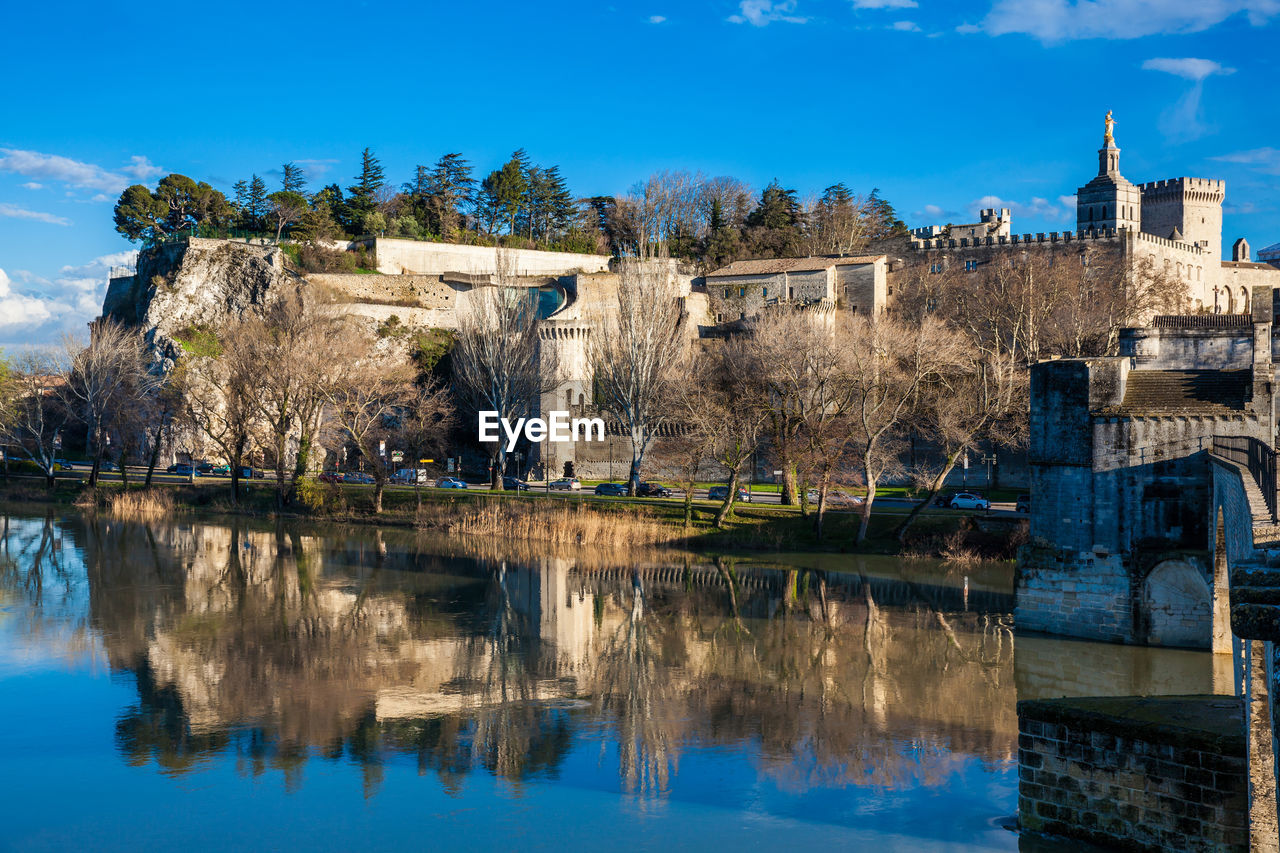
<point x="1255" y="455"/>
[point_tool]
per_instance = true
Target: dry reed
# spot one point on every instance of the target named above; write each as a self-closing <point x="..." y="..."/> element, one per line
<point x="145" y="505"/>
<point x="574" y="524"/>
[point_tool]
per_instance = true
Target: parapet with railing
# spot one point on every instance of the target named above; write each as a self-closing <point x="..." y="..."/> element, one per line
<point x="1255" y="455"/>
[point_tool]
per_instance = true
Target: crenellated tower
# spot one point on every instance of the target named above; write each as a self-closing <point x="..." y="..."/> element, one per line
<point x="1109" y="202"/>
<point x="1186" y="209"/>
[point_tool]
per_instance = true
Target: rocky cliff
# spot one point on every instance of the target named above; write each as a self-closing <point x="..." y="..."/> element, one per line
<point x="196" y="283"/>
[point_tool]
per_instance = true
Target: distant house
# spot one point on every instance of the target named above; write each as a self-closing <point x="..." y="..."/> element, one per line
<point x="857" y="284"/>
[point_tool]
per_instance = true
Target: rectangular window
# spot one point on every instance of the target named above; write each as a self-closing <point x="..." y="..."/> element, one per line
<point x="791" y="293"/>
<point x="726" y="293"/>
<point x="970" y="266"/>
<point x="935" y="267"/>
<point x="764" y="291"/>
<point x="742" y="291"/>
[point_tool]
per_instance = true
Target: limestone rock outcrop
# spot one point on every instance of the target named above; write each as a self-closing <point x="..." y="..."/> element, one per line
<point x="196" y="283"/>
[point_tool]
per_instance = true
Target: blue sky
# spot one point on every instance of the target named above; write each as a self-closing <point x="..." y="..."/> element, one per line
<point x="946" y="107"/>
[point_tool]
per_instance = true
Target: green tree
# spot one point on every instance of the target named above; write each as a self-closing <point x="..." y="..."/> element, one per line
<point x="773" y="228"/>
<point x="293" y="179"/>
<point x="363" y="194"/>
<point x="504" y="193"/>
<point x="286" y="208"/>
<point x="256" y="202"/>
<point x="139" y="215"/>
<point x="448" y="189"/>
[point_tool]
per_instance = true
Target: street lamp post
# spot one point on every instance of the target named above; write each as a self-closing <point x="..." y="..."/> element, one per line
<point x="989" y="460"/>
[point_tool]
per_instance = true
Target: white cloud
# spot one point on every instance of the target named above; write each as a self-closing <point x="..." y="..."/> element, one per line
<point x="141" y="169"/>
<point x="1265" y="160"/>
<point x="314" y="168"/>
<point x="905" y="26"/>
<point x="32" y="185"/>
<point x="966" y="29"/>
<point x="1065" y="20"/>
<point x="758" y="13"/>
<point x="15" y="212"/>
<point x="1188" y="68"/>
<point x="657" y="19"/>
<point x="1182" y="121"/>
<point x="1064" y="210"/>
<point x="17" y="309"/>
<point x="75" y="173"/>
<point x="46" y="309"/>
<point x="884" y="4"/>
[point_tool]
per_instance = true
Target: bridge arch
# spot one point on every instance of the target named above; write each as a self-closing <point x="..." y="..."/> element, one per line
<point x="1177" y="602"/>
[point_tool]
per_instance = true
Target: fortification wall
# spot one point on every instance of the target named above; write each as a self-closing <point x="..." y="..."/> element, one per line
<point x="1167" y="773"/>
<point x="1182" y="349"/>
<point x="1192" y="205"/>
<point x="863" y="288"/>
<point x="416" y="291"/>
<point x="396" y="257"/>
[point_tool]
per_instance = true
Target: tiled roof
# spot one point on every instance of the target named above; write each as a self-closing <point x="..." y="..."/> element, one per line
<point x="777" y="265"/>
<point x="1200" y="391"/>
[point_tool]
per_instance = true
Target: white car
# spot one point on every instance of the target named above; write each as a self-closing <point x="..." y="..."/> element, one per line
<point x="567" y="484"/>
<point x="968" y="500"/>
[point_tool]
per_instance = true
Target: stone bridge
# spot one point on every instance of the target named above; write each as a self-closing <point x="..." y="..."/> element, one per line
<point x="1246" y="621"/>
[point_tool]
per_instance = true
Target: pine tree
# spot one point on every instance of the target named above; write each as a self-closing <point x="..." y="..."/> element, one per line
<point x="294" y="179"/>
<point x="256" y="203"/>
<point x="363" y="195"/>
<point x="448" y="189"/>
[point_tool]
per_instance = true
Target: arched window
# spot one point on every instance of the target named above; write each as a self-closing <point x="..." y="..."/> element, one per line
<point x="1244" y="300"/>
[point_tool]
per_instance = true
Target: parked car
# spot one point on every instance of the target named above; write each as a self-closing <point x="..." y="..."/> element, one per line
<point x="653" y="490"/>
<point x="514" y="484"/>
<point x="204" y="467"/>
<point x="221" y="471"/>
<point x="357" y="477"/>
<point x="612" y="490"/>
<point x="1023" y="504"/>
<point x="968" y="500"/>
<point x="63" y="465"/>
<point x="566" y="484"/>
<point x="719" y="493"/>
<point x="183" y="469"/>
<point x="330" y="477"/>
<point x="247" y="473"/>
<point x="450" y="483"/>
<point x="104" y="465"/>
<point x="845" y="499"/>
<point x="944" y="499"/>
<point x="410" y="476"/>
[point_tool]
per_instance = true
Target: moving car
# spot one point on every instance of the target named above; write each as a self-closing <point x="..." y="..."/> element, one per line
<point x="357" y="477"/>
<point x="204" y="467"/>
<point x="1023" y="504"/>
<point x="515" y="484"/>
<point x="566" y="484"/>
<point x="719" y="493"/>
<point x="63" y="465"/>
<point x="330" y="477"/>
<point x="968" y="500"/>
<point x="613" y="490"/>
<point x="183" y="469"/>
<point x="221" y="471"/>
<point x="653" y="490"/>
<point x="450" y="483"/>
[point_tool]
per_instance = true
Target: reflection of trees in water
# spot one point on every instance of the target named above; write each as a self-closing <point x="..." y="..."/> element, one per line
<point x="273" y="646"/>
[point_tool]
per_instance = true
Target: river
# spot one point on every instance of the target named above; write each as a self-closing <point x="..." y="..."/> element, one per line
<point x="208" y="685"/>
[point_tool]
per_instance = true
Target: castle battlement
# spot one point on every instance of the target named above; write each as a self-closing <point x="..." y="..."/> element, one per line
<point x="1050" y="237"/>
<point x="1200" y="189"/>
<point x="1192" y="248"/>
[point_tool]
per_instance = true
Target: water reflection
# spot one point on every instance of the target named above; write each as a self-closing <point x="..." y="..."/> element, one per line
<point x="274" y="647"/>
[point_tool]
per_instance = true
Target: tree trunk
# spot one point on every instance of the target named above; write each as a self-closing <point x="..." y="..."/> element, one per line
<point x="790" y="496"/>
<point x="124" y="472"/>
<point x="378" y="486"/>
<point x="871" y="496"/>
<point x="934" y="488"/>
<point x="688" y="505"/>
<point x="235" y="484"/>
<point x="49" y="480"/>
<point x="154" y="459"/>
<point x="93" y="472"/>
<point x="727" y="506"/>
<point x="822" y="508"/>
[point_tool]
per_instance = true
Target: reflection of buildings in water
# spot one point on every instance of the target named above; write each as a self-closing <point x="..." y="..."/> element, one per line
<point x="364" y="645"/>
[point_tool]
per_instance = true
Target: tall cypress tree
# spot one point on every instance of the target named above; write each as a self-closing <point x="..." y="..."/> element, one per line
<point x="362" y="196"/>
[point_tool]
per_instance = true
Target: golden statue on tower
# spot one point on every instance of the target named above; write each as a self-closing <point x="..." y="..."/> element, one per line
<point x="1107" y="137"/>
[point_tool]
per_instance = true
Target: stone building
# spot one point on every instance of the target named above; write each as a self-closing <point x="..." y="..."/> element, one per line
<point x="743" y="289"/>
<point x="1175" y="224"/>
<point x="992" y="222"/>
<point x="1119" y="451"/>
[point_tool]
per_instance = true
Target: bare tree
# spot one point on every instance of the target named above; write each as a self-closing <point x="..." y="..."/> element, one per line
<point x="888" y="362"/>
<point x="633" y="352"/>
<point x="731" y="424"/>
<point x="298" y="349"/>
<point x="34" y="408"/>
<point x="218" y="394"/>
<point x="497" y="361"/>
<point x="107" y="380"/>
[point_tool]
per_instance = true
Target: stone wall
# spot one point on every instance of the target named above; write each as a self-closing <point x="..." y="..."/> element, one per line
<point x="396" y="257"/>
<point x="417" y="291"/>
<point x="1165" y="773"/>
